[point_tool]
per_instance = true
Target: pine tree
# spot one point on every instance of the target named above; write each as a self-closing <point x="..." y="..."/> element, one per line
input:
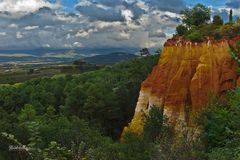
<point x="231" y="16"/>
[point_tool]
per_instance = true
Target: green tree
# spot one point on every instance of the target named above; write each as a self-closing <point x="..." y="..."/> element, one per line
<point x="136" y="148"/>
<point x="231" y="16"/>
<point x="220" y="128"/>
<point x="196" y="16"/>
<point x="153" y="123"/>
<point x="28" y="113"/>
<point x="75" y="100"/>
<point x="181" y="30"/>
<point x="195" y="36"/>
<point x="217" y="20"/>
<point x="144" y="52"/>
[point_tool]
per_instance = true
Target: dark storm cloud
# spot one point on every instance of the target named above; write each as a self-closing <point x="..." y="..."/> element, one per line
<point x="234" y="4"/>
<point x="109" y="10"/>
<point x="113" y="8"/>
<point x="110" y="3"/>
<point x="167" y="5"/>
<point x="97" y="13"/>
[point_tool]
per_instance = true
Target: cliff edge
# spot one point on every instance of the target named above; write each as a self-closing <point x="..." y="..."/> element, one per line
<point x="186" y="76"/>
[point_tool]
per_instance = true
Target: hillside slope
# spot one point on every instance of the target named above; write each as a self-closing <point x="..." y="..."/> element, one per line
<point x="109" y="58"/>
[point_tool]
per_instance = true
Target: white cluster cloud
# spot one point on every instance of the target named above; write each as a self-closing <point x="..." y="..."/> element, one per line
<point x="25" y="6"/>
<point x="31" y="27"/>
<point x="83" y="33"/>
<point x="46" y="45"/>
<point x="94" y="24"/>
<point x="19" y="35"/>
<point x="3" y="33"/>
<point x="128" y="15"/>
<point x="13" y="25"/>
<point x="77" y="44"/>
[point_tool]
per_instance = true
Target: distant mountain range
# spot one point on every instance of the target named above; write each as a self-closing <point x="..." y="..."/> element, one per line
<point x="92" y="55"/>
<point x="83" y="51"/>
<point x="109" y="58"/>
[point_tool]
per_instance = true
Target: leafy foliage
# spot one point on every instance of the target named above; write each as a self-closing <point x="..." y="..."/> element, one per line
<point x="144" y="52"/>
<point x="181" y="30"/>
<point x="199" y="28"/>
<point x="196" y="16"/>
<point x="217" y="20"/>
<point x="154" y="122"/>
<point x="220" y="128"/>
<point x="51" y="116"/>
<point x="196" y="37"/>
<point x="231" y="16"/>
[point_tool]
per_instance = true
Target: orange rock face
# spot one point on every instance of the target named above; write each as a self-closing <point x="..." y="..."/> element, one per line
<point x="186" y="76"/>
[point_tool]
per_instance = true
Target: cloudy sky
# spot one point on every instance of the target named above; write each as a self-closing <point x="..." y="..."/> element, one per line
<point x="29" y="24"/>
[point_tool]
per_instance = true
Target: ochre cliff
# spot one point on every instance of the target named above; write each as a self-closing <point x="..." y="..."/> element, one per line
<point x="186" y="76"/>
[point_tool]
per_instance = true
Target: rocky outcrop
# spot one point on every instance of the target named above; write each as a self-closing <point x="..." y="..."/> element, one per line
<point x="186" y="76"/>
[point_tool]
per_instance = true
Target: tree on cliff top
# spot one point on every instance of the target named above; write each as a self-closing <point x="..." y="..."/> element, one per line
<point x="196" y="16"/>
<point x="181" y="30"/>
<point x="231" y="16"/>
<point x="217" y="20"/>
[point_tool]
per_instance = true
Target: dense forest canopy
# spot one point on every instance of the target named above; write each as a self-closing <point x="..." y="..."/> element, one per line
<point x="62" y="106"/>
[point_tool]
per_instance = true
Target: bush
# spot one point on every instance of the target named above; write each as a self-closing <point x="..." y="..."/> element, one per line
<point x="217" y="20"/>
<point x="206" y="30"/>
<point x="221" y="129"/>
<point x="217" y="34"/>
<point x="195" y="36"/>
<point x="227" y="30"/>
<point x="181" y="30"/>
<point x="153" y="123"/>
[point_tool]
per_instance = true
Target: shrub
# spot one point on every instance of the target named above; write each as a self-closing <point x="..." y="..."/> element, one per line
<point x="195" y="36"/>
<point x="217" y="34"/>
<point x="207" y="29"/>
<point x="220" y="128"/>
<point x="217" y="20"/>
<point x="153" y="123"/>
<point x="181" y="30"/>
<point x="227" y="30"/>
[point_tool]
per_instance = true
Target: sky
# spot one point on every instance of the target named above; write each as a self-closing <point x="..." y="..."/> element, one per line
<point x="76" y="24"/>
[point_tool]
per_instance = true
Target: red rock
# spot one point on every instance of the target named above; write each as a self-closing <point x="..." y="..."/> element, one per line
<point x="186" y="76"/>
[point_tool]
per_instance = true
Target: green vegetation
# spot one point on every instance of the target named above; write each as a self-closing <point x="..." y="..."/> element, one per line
<point x="221" y="129"/>
<point x="196" y="25"/>
<point x="231" y="16"/>
<point x="52" y="116"/>
<point x="76" y="117"/>
<point x="235" y="52"/>
<point x="219" y="137"/>
<point x="153" y="123"/>
<point x="196" y="16"/>
<point x="195" y="36"/>
<point x="217" y="20"/>
<point x="24" y="73"/>
<point x="144" y="52"/>
<point x="81" y="116"/>
<point x="181" y="30"/>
